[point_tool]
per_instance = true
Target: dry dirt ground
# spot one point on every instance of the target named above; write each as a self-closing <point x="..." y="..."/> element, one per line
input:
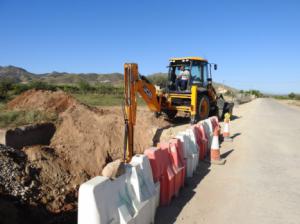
<point x="86" y="139"/>
<point x="260" y="182"/>
<point x="294" y="103"/>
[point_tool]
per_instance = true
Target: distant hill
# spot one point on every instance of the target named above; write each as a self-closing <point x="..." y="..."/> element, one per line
<point x="17" y="74"/>
<point x="21" y="75"/>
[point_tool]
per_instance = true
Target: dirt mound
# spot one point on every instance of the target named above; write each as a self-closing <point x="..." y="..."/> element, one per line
<point x="89" y="138"/>
<point x="42" y="100"/>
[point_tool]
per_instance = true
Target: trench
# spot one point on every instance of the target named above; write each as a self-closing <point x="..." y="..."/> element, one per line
<point x="37" y="134"/>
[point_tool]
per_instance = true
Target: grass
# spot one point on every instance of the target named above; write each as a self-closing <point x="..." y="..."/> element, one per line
<point x="94" y="99"/>
<point x="14" y="118"/>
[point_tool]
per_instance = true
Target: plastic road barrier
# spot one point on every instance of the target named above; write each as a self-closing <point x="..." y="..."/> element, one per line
<point x="130" y="198"/>
<point x="176" y="163"/>
<point x="163" y="172"/>
<point x="201" y="140"/>
<point x="190" y="149"/>
<point x="208" y="127"/>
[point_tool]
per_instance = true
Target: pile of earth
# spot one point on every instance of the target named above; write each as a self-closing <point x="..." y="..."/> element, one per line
<point x="86" y="139"/>
<point x="56" y="101"/>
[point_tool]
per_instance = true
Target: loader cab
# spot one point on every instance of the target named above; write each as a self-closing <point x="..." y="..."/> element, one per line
<point x="198" y="71"/>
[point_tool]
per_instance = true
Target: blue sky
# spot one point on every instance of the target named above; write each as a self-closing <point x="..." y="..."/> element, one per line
<point x="255" y="43"/>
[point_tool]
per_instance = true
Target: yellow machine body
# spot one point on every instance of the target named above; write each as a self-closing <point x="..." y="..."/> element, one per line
<point x="199" y="100"/>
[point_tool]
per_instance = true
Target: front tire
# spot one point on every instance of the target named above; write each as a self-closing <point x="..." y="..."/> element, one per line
<point x="203" y="107"/>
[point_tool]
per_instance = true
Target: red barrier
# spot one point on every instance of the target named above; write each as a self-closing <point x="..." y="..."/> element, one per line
<point x="178" y="157"/>
<point x="175" y="153"/>
<point x="202" y="140"/>
<point x="157" y="165"/>
<point x="167" y="184"/>
<point x="215" y="122"/>
<point x="162" y="170"/>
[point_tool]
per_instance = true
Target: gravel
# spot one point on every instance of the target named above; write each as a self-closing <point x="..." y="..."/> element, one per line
<point x="17" y="178"/>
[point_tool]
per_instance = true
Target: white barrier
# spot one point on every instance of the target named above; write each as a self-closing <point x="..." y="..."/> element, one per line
<point x="208" y="128"/>
<point x="190" y="149"/>
<point x="131" y="198"/>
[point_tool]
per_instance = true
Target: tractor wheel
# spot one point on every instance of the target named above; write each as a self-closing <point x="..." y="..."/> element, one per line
<point x="203" y="109"/>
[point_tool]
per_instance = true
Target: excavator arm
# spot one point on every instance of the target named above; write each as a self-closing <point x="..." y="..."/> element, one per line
<point x="134" y="83"/>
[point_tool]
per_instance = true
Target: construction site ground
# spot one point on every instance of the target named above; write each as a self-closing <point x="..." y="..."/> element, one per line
<point x="260" y="181"/>
<point x="258" y="184"/>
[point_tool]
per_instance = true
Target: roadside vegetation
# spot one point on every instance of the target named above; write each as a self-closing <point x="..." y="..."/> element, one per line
<point x="14" y="118"/>
<point x="92" y="95"/>
<point x="253" y="92"/>
<point x="291" y="96"/>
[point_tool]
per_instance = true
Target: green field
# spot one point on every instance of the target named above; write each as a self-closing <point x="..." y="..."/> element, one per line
<point x="93" y="99"/>
<point x="14" y="118"/>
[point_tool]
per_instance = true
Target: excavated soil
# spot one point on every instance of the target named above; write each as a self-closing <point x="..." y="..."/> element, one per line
<point x="42" y="100"/>
<point x="86" y="139"/>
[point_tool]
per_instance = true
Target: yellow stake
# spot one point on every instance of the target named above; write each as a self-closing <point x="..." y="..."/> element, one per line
<point x="227" y="117"/>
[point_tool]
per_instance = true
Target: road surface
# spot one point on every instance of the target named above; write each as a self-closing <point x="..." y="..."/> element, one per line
<point x="260" y="182"/>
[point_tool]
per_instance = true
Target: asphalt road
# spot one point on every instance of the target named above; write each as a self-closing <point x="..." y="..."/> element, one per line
<point x="260" y="182"/>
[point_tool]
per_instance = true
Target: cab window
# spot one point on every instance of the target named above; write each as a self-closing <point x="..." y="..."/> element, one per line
<point x="205" y="74"/>
<point x="196" y="73"/>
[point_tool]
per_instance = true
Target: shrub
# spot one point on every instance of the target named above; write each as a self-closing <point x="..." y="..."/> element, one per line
<point x="292" y="95"/>
<point x="159" y="79"/>
<point x="17" y="118"/>
<point x="69" y="88"/>
<point x="254" y="92"/>
<point x="5" y="86"/>
<point x="19" y="88"/>
<point x="42" y="86"/>
<point x="85" y="86"/>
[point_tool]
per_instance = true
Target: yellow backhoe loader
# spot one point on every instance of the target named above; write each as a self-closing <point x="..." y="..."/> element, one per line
<point x="189" y="89"/>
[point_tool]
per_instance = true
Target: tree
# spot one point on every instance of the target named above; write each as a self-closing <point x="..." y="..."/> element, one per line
<point x="5" y="86"/>
<point x="292" y="95"/>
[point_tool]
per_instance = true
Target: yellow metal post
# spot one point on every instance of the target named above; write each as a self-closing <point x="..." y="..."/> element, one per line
<point x="227" y="117"/>
<point x="193" y="100"/>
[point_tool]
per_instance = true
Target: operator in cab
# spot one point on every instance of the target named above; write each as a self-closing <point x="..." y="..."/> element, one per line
<point x="182" y="79"/>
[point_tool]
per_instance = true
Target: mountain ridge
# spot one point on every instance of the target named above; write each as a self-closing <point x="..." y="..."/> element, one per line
<point x="21" y="75"/>
<point x="18" y="74"/>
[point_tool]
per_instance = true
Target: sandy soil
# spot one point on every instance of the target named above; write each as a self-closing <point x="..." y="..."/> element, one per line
<point x="86" y="139"/>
